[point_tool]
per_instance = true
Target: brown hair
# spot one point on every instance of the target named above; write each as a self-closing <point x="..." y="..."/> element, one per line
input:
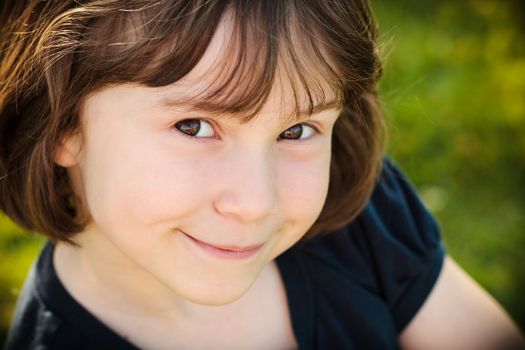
<point x="53" y="54"/>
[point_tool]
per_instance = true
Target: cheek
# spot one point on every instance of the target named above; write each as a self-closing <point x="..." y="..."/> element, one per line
<point x="135" y="185"/>
<point x="303" y="189"/>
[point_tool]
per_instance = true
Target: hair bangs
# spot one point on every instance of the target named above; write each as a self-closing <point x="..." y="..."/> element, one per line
<point x="262" y="52"/>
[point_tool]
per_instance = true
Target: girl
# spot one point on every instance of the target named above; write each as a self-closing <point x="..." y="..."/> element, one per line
<point x="210" y="175"/>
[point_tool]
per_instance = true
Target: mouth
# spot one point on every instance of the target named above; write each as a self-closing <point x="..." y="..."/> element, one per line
<point x="225" y="251"/>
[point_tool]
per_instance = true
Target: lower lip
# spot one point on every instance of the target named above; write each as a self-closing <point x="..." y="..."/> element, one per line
<point x="224" y="253"/>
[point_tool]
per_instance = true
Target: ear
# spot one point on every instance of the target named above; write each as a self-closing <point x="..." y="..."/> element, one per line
<point x="68" y="151"/>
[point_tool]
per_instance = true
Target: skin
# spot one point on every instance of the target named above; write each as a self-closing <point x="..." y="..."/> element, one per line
<point x="459" y="314"/>
<point x="143" y="182"/>
<point x="147" y="187"/>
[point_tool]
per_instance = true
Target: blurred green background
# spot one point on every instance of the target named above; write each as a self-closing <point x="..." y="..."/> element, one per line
<point x="453" y="95"/>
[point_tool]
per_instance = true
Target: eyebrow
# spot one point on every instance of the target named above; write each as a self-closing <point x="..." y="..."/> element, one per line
<point x="211" y="107"/>
<point x="324" y="106"/>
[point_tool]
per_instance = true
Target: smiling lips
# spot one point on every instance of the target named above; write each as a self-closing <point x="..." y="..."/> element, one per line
<point x="225" y="252"/>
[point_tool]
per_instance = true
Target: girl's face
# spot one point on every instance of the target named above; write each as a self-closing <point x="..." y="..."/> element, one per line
<point x="199" y="202"/>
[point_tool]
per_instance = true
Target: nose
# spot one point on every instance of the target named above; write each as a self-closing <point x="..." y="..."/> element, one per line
<point x="249" y="193"/>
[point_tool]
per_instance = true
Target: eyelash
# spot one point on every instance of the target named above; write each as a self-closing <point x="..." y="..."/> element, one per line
<point x="315" y="130"/>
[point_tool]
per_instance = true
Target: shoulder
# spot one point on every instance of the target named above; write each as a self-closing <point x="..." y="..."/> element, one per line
<point x="33" y="324"/>
<point x="48" y="317"/>
<point x="396" y="218"/>
<point x="392" y="250"/>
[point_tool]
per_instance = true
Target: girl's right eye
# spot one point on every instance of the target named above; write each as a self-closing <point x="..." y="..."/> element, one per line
<point x="195" y="128"/>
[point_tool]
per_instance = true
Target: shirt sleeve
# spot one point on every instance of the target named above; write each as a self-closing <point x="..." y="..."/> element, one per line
<point x="404" y="242"/>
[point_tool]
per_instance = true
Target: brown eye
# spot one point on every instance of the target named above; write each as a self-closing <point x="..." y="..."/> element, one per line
<point x="298" y="132"/>
<point x="195" y="128"/>
<point x="293" y="133"/>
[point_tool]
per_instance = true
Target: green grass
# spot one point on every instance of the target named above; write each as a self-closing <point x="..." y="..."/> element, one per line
<point x="17" y="251"/>
<point x="453" y="99"/>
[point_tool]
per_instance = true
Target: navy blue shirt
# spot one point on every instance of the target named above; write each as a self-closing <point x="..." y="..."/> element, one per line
<point x="355" y="288"/>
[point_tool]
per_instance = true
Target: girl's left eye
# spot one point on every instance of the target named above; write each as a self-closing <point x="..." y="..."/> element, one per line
<point x="195" y="128"/>
<point x="298" y="132"/>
